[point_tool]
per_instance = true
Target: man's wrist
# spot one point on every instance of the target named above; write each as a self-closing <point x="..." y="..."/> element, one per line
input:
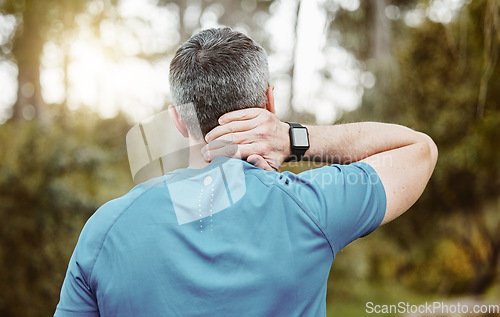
<point x="286" y="148"/>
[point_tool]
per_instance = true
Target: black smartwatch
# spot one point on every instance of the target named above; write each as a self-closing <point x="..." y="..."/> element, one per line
<point x="299" y="141"/>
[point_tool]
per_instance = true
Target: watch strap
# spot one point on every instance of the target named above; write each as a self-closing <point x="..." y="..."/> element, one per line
<point x="295" y="125"/>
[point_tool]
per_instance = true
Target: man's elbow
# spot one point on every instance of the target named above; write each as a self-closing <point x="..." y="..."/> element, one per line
<point x="432" y="152"/>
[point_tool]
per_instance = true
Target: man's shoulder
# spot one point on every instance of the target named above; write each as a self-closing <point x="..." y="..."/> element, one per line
<point x="101" y="222"/>
<point x="116" y="206"/>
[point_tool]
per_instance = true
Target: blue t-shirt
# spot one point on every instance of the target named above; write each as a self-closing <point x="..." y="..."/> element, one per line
<point x="227" y="240"/>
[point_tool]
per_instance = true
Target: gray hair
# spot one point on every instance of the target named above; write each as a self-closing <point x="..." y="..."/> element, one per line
<point x="217" y="71"/>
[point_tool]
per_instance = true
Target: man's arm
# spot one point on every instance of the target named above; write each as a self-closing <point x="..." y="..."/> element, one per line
<point x="403" y="158"/>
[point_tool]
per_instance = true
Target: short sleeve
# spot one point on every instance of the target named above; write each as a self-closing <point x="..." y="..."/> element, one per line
<point x="346" y="201"/>
<point x="76" y="298"/>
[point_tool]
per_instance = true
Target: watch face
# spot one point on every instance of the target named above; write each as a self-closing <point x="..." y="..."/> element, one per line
<point x="299" y="136"/>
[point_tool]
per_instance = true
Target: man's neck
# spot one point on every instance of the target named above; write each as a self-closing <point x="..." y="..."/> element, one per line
<point x="196" y="160"/>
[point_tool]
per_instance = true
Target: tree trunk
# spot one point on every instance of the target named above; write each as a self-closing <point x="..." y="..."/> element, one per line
<point x="27" y="50"/>
<point x="291" y="111"/>
<point x="182" y="28"/>
<point x="381" y="31"/>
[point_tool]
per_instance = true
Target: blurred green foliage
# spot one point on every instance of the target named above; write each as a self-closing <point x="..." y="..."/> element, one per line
<point x="52" y="178"/>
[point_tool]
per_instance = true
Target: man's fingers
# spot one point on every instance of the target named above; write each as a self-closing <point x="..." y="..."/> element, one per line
<point x="260" y="162"/>
<point x="230" y="150"/>
<point x="222" y="148"/>
<point x="243" y="114"/>
<point x="245" y="137"/>
<point x="231" y="127"/>
<point x="217" y="145"/>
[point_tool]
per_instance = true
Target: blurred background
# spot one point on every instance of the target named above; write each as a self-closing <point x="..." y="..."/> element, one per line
<point x="75" y="75"/>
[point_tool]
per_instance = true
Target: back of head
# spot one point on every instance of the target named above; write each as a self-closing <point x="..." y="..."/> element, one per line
<point x="217" y="71"/>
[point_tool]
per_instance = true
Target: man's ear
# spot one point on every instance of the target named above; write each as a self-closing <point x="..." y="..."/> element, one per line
<point x="270" y="99"/>
<point x="179" y="123"/>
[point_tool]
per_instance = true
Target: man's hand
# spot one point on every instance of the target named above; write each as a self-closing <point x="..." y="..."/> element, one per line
<point x="254" y="134"/>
